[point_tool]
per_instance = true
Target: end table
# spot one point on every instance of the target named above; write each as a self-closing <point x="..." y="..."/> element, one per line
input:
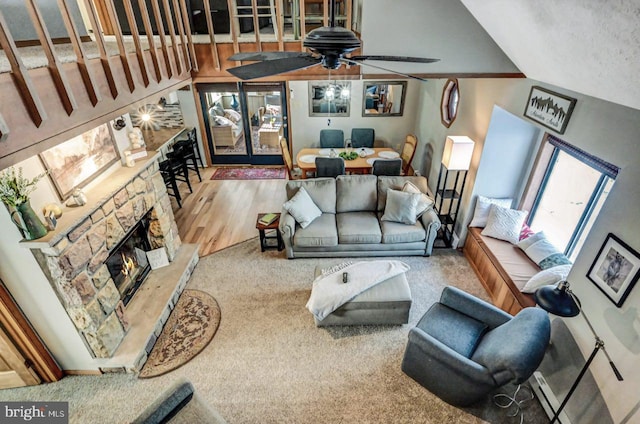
<point x="264" y="238"/>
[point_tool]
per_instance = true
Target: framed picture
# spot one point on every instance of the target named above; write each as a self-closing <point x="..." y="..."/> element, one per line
<point x="615" y="270"/>
<point x="550" y="109"/>
<point x="76" y="162"/>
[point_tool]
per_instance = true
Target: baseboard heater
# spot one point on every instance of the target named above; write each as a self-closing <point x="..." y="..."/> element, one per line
<point x="547" y="398"/>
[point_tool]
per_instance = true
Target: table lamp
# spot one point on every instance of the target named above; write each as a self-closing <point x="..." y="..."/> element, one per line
<point x="560" y="300"/>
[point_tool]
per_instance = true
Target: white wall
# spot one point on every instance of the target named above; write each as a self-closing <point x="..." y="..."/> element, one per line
<point x="190" y="117"/>
<point x="390" y="131"/>
<point x="606" y="130"/>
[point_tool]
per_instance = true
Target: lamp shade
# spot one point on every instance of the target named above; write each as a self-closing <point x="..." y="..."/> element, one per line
<point x="457" y="153"/>
<point x="557" y="300"/>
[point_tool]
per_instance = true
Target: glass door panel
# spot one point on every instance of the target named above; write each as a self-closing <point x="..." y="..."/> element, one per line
<point x="265" y="107"/>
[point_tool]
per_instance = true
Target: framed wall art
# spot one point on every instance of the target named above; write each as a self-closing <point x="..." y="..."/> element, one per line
<point x="76" y="162"/>
<point x="550" y="109"/>
<point x="615" y="270"/>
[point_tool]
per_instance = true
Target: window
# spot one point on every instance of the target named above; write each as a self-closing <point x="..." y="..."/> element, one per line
<point x="571" y="188"/>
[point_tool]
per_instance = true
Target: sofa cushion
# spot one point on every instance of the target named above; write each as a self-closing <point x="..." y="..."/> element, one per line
<point x="302" y="208"/>
<point x="358" y="228"/>
<point x="394" y="232"/>
<point x="321" y="190"/>
<point x="424" y="204"/>
<point x="356" y="193"/>
<point x="321" y="232"/>
<point x="401" y="207"/>
<point x="396" y="183"/>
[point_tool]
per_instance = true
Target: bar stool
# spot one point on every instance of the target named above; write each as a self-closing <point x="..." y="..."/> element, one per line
<point x="184" y="152"/>
<point x="169" y="177"/>
<point x="194" y="141"/>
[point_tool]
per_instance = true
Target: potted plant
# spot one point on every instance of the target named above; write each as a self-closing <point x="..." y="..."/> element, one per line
<point x="14" y="192"/>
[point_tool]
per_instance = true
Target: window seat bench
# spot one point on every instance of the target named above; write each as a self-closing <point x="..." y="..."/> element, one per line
<point x="503" y="270"/>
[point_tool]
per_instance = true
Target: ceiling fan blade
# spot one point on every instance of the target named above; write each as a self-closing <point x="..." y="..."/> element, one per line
<point x="353" y="62"/>
<point x="396" y="59"/>
<point x="262" y="56"/>
<point x="273" y="67"/>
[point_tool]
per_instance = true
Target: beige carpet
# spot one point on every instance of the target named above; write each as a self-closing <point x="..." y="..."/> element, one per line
<point x="268" y="363"/>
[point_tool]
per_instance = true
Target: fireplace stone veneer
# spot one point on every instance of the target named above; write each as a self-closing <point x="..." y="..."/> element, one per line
<point x="73" y="256"/>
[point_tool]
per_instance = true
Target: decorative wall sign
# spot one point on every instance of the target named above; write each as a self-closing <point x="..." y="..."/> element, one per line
<point x="157" y="258"/>
<point x="76" y="162"/>
<point x="615" y="270"/>
<point x="550" y="109"/>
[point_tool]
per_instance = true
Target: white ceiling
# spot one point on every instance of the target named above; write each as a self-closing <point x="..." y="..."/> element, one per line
<point x="588" y="46"/>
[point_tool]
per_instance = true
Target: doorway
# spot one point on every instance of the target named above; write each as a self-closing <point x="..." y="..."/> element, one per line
<point x="244" y="122"/>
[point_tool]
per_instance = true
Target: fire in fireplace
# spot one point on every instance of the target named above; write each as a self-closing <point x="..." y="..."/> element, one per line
<point x="128" y="264"/>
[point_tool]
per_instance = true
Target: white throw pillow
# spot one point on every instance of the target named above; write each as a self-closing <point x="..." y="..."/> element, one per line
<point x="232" y="115"/>
<point x="547" y="277"/>
<point x="401" y="207"/>
<point x="481" y="212"/>
<point x="541" y="251"/>
<point x="221" y="121"/>
<point x="504" y="223"/>
<point x="302" y="208"/>
<point x="424" y="204"/>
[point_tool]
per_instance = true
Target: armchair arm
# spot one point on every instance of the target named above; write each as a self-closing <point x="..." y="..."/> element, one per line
<point x="474" y="307"/>
<point x="431" y="224"/>
<point x="449" y="360"/>
<point x="287" y="227"/>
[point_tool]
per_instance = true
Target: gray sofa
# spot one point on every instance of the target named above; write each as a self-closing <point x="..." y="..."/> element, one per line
<point x="350" y="224"/>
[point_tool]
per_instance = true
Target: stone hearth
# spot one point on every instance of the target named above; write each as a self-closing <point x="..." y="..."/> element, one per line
<point x="73" y="256"/>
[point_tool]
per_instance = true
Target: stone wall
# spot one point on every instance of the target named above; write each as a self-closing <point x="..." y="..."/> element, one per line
<point x="75" y="260"/>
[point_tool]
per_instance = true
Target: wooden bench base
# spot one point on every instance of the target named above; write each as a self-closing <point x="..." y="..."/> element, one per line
<point x="503" y="292"/>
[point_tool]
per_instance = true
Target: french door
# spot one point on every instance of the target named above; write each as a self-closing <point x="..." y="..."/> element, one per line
<point x="244" y="122"/>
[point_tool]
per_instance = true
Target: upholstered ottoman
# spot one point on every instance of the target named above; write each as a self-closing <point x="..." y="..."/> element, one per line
<point x="385" y="303"/>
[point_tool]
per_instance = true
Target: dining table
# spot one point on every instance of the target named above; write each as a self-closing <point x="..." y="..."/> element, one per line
<point x="306" y="158"/>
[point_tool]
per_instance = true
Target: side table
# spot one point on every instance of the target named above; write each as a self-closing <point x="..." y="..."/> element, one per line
<point x="264" y="237"/>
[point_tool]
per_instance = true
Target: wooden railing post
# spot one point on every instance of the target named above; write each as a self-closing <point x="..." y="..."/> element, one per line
<point x="163" y="37"/>
<point x="21" y="76"/>
<point x="212" y="38"/>
<point x="187" y="30"/>
<point x="152" y="43"/>
<point x="172" y="35"/>
<point x="4" y="129"/>
<point x="135" y="35"/>
<point x="104" y="58"/>
<point x="55" y="69"/>
<point x="181" y="32"/>
<point x="111" y="11"/>
<point x="85" y="73"/>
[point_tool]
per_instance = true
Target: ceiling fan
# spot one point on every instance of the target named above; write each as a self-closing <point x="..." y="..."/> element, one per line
<point x="328" y="46"/>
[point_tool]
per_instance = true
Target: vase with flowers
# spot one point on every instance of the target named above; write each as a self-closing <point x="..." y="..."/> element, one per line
<point x="14" y="192"/>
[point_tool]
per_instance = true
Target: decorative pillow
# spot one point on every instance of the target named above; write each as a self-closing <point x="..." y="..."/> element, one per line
<point x="302" y="208"/>
<point x="424" y="204"/>
<point x="401" y="207"/>
<point x="482" y="209"/>
<point x="232" y="115"/>
<point x="526" y="232"/>
<point x="547" y="277"/>
<point x="542" y="252"/>
<point x="221" y="121"/>
<point x="504" y="223"/>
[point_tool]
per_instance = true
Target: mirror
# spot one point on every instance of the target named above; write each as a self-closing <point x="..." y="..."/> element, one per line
<point x="383" y="98"/>
<point x="449" y="103"/>
<point x="329" y="98"/>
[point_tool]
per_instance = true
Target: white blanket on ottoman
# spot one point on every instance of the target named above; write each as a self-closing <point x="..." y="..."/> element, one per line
<point x="329" y="292"/>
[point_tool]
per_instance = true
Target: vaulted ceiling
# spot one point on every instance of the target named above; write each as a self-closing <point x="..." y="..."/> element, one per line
<point x="588" y="46"/>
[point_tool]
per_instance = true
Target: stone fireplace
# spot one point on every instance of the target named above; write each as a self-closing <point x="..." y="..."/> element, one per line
<point x="129" y="211"/>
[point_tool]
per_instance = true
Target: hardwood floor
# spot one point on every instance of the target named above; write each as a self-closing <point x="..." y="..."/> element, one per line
<point x="222" y="213"/>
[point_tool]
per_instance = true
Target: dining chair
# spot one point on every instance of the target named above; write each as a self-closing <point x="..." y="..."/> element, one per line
<point x="286" y="157"/>
<point x="362" y="137"/>
<point x="390" y="167"/>
<point x="329" y="167"/>
<point x="331" y="139"/>
<point x="408" y="150"/>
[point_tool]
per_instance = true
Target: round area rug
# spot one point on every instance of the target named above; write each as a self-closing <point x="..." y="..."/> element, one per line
<point x="189" y="329"/>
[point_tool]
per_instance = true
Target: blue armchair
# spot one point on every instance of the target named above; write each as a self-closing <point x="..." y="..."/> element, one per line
<point x="463" y="348"/>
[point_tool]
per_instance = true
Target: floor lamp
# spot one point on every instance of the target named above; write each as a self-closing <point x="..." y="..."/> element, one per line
<point x="560" y="300"/>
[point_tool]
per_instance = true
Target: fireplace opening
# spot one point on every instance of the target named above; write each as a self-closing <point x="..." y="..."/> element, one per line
<point x="128" y="264"/>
